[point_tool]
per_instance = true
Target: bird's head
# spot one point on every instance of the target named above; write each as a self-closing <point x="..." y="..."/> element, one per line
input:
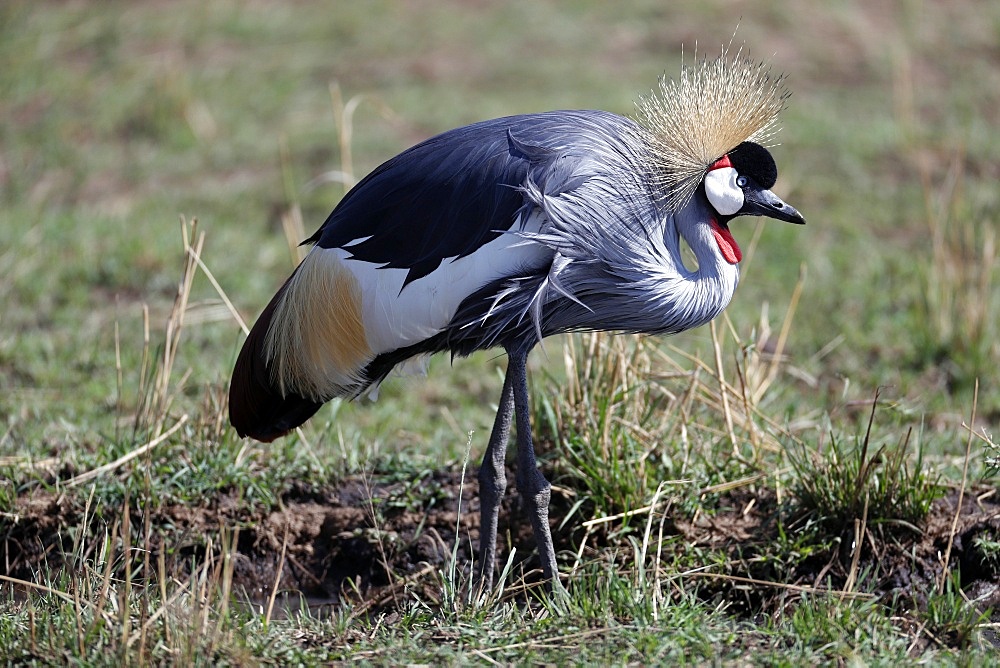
<point x="703" y="135"/>
<point x="706" y="131"/>
<point x="738" y="184"/>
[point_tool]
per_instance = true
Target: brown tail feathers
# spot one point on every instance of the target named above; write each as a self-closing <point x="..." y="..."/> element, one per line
<point x="256" y="405"/>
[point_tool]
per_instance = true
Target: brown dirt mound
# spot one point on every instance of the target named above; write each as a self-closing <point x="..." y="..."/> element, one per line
<point x="361" y="536"/>
<point x="369" y="537"/>
<point x="896" y="562"/>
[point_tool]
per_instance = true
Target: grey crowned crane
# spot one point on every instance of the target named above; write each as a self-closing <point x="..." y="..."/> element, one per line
<point x="506" y="231"/>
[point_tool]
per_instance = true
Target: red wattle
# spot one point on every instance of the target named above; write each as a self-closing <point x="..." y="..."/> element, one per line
<point x="721" y="162"/>
<point x="727" y="244"/>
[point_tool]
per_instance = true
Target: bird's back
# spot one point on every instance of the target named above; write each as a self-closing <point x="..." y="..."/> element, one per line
<point x="426" y="237"/>
<point x="451" y="194"/>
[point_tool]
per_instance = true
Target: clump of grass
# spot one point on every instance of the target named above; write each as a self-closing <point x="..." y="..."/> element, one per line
<point x="603" y="419"/>
<point x="824" y="630"/>
<point x="986" y="548"/>
<point x="861" y="484"/>
<point x="629" y="413"/>
<point x="950" y="619"/>
<point x="115" y="601"/>
<point x="991" y="452"/>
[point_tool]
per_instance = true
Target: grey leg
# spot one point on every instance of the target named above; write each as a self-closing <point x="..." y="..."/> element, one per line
<point x="493" y="484"/>
<point x="532" y="485"/>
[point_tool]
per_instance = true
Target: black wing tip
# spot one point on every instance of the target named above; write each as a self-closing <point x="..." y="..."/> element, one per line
<point x="257" y="408"/>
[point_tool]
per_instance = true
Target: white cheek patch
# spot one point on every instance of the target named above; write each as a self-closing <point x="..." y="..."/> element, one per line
<point x="723" y="193"/>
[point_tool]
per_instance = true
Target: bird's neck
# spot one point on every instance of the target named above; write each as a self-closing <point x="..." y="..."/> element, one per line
<point x="716" y="251"/>
<point x="708" y="289"/>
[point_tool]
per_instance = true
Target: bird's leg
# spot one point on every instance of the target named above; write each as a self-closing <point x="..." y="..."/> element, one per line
<point x="532" y="485"/>
<point x="493" y="484"/>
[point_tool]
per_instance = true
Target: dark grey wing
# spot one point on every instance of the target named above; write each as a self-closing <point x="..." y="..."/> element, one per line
<point x="453" y="193"/>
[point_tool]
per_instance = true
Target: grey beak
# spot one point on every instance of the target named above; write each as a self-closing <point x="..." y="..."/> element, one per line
<point x="765" y="203"/>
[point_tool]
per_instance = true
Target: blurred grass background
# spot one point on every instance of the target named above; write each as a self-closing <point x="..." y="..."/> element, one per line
<point x="116" y="118"/>
<point x="119" y="118"/>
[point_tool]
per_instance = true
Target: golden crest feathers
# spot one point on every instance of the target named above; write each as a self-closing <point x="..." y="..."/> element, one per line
<point x="713" y="107"/>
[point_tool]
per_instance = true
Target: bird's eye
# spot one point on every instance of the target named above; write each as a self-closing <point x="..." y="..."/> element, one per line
<point x="741" y="181"/>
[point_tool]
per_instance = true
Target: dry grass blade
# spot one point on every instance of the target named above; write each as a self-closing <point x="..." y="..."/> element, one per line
<point x="723" y="393"/>
<point x="74" y="599"/>
<point x="277" y="579"/>
<point x="734" y="484"/>
<point x="549" y="642"/>
<point x="166" y="603"/>
<point x="124" y="459"/>
<point x="175" y="321"/>
<point x="39" y="587"/>
<point x="154" y="390"/>
<point x="27" y="462"/>
<point x="392" y="592"/>
<point x="295" y="231"/>
<point x="633" y="513"/>
<point x="961" y="492"/>
<point x="756" y="370"/>
<point x="804" y="589"/>
<point x="344" y="118"/>
<point x="218" y="288"/>
<point x="779" y="348"/>
<point x="860" y="529"/>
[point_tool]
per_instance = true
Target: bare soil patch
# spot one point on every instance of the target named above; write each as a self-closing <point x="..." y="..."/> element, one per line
<point x="365" y="538"/>
<point x="898" y="563"/>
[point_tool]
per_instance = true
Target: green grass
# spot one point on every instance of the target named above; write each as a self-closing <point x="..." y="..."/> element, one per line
<point x="845" y="484"/>
<point x="711" y="487"/>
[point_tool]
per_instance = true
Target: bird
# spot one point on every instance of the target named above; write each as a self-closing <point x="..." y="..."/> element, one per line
<point x="506" y="231"/>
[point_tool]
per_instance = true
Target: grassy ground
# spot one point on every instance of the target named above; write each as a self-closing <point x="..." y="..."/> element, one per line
<point x="808" y="480"/>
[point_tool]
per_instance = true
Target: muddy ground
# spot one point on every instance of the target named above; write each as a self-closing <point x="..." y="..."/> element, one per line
<point x="368" y="540"/>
